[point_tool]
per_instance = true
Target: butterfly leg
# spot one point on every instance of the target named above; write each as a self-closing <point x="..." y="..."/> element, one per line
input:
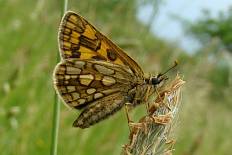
<point x="129" y="121"/>
<point x="147" y="94"/>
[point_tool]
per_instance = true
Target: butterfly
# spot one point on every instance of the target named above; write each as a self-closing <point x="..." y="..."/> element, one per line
<point x="95" y="75"/>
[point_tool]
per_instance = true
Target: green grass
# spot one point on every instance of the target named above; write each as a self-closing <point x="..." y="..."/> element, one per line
<point x="28" y="49"/>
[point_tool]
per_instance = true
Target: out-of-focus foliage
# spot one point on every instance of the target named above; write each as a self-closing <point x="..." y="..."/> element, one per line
<point x="28" y="50"/>
<point x="210" y="27"/>
<point x="215" y="35"/>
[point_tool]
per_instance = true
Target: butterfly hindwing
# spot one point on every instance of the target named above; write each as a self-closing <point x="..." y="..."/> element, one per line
<point x="100" y="109"/>
<point x="79" y="39"/>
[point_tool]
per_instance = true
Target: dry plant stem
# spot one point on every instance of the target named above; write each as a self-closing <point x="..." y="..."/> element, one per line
<point x="152" y="134"/>
<point x="56" y="109"/>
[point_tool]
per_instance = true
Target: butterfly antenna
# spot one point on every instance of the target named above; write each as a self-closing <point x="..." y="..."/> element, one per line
<point x="175" y="64"/>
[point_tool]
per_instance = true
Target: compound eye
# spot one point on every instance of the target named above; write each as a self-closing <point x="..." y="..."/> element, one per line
<point x="155" y="81"/>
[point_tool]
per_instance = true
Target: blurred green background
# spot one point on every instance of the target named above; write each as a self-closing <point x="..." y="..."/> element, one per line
<point x="28" y="53"/>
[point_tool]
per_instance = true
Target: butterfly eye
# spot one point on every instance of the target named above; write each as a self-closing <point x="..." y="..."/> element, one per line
<point x="155" y="80"/>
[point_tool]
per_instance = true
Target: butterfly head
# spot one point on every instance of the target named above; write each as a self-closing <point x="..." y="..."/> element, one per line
<point x="156" y="80"/>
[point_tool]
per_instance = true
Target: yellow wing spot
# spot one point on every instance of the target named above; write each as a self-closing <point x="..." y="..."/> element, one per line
<point x="73" y="18"/>
<point x="74" y="40"/>
<point x="67" y="98"/>
<point x="79" y="64"/>
<point x="70" y="25"/>
<point x="58" y="78"/>
<point x="74" y="103"/>
<point x="98" y="95"/>
<point x="103" y="70"/>
<point x="75" y="96"/>
<point x="74" y="76"/>
<point x="119" y="75"/>
<point x="61" y="77"/>
<point x="89" y="98"/>
<point x="108" y="81"/>
<point x="85" y="50"/>
<point x="68" y="52"/>
<point x="65" y="37"/>
<point x="67" y="77"/>
<point x="81" y="101"/>
<point x="118" y="61"/>
<point x="103" y="49"/>
<point x="89" y="32"/>
<point x="91" y="90"/>
<point x="86" y="79"/>
<point x="60" y="70"/>
<point x="71" y="88"/>
<point x="67" y="44"/>
<point x="98" y="77"/>
<point x="73" y="70"/>
<point x="62" y="89"/>
<point x="110" y="91"/>
<point x="87" y="55"/>
<point x="66" y="31"/>
<point x="75" y="34"/>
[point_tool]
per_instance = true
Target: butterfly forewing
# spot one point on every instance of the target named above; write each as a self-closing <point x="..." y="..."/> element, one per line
<point x="79" y="39"/>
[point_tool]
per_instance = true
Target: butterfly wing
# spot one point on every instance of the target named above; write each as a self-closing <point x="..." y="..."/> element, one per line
<point x="82" y="82"/>
<point x="100" y="109"/>
<point x="79" y="39"/>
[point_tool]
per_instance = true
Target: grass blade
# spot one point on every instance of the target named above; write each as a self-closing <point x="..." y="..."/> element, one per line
<point x="56" y="109"/>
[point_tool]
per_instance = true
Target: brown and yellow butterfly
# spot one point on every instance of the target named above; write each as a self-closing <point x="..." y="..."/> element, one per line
<point x="95" y="75"/>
